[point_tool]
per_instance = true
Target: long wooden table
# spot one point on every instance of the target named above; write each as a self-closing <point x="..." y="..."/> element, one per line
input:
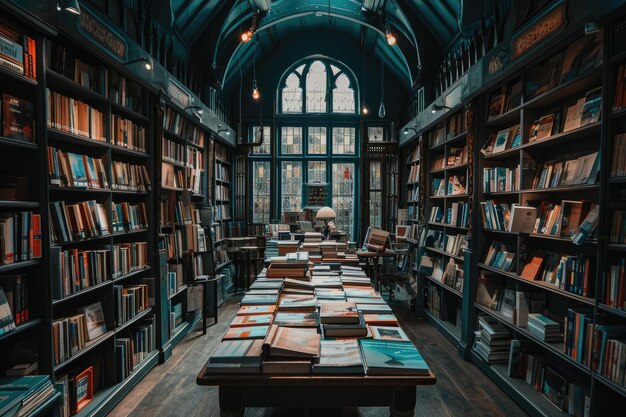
<point x="237" y="391"/>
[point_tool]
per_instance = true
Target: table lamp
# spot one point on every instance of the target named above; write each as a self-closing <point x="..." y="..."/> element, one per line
<point x="326" y="214"/>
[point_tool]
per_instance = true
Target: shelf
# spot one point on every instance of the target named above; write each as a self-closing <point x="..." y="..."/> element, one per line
<point x="178" y="292"/>
<point x="106" y="236"/>
<point x="76" y="90"/>
<point x="177" y="164"/>
<point x="133" y="320"/>
<point x="168" y="188"/>
<point x="555" y="96"/>
<point x="80" y="293"/>
<point x="617" y="180"/>
<point x="449" y="330"/>
<point x="455" y="167"/>
<point x="129" y="232"/>
<point x="171" y="135"/>
<point x="444" y="253"/>
<point x="130" y="152"/>
<point x="531" y="400"/>
<point x="57" y="189"/>
<point x="507" y="153"/>
<point x="539" y="284"/>
<point x="20" y="328"/>
<point x="615" y="387"/>
<point x="618" y="247"/>
<point x="18" y="143"/>
<point x="132" y="273"/>
<point x="612" y="310"/>
<point x="513" y="193"/>
<point x="222" y="265"/>
<point x="91" y="345"/>
<point x="555" y="348"/>
<point x="559" y="138"/>
<point x="507" y="119"/>
<point x="447" y="225"/>
<point x="121" y="110"/>
<point x="561" y="189"/>
<point x="19" y="265"/>
<point x="18" y="77"/>
<point x="130" y="192"/>
<point x="442" y="285"/>
<point x="67" y="137"/>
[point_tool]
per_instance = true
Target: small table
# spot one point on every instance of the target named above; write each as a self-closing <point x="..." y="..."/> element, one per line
<point x="248" y="251"/>
<point x="372" y="262"/>
<point x="233" y="246"/>
<point x="237" y="391"/>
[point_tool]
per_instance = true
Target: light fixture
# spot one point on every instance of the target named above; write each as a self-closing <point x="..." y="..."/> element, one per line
<point x="221" y="129"/>
<point x="256" y="95"/>
<point x="391" y="38"/>
<point x="326" y="214"/>
<point x="406" y="129"/>
<point x="248" y="34"/>
<point x="196" y="110"/>
<point x="364" y="110"/>
<point x="147" y="62"/>
<point x="381" y="108"/>
<point x="438" y="107"/>
<point x="70" y="6"/>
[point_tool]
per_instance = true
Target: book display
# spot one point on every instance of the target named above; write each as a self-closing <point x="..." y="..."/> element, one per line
<point x="221" y="157"/>
<point x="446" y="208"/>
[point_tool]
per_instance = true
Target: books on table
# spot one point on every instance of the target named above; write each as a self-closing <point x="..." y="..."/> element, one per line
<point x="246" y="332"/>
<point x="249" y="310"/>
<point x="339" y="356"/>
<point x="339" y="313"/>
<point x="252" y="320"/>
<point x="388" y="333"/>
<point x="386" y="357"/>
<point x="289" y="319"/>
<point x="236" y="356"/>
<point x="292" y="342"/>
<point x="358" y="329"/>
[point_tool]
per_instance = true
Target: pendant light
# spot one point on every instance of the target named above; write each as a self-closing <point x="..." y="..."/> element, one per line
<point x="256" y="95"/>
<point x="381" y="108"/>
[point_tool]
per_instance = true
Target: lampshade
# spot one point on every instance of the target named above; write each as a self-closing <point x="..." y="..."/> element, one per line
<point x="326" y="213"/>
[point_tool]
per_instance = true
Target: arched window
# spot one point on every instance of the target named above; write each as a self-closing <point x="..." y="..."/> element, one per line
<point x="318" y="87"/>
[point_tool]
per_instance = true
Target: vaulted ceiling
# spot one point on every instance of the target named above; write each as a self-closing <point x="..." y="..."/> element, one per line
<point x="418" y="24"/>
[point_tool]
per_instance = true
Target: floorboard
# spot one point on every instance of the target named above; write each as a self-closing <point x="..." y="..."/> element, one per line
<point x="169" y="390"/>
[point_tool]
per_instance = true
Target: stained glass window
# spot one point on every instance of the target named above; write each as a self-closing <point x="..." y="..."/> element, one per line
<point x="257" y="132"/>
<point x="316" y="88"/>
<point x="317" y="171"/>
<point x="261" y="191"/>
<point x="291" y="140"/>
<point x="291" y="186"/>
<point x="317" y="140"/>
<point x="292" y="95"/>
<point x="343" y="95"/>
<point x="375" y="194"/>
<point x="344" y="140"/>
<point x="375" y="134"/>
<point x="343" y="196"/>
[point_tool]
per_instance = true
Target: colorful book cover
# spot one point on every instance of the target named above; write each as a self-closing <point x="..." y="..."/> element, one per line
<point x="249" y="332"/>
<point x="390" y="357"/>
<point x="17" y="118"/>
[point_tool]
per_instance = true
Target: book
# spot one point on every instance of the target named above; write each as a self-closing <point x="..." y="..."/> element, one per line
<point x="236" y="356"/>
<point x="95" y="325"/>
<point x="254" y="310"/>
<point x="340" y="357"/>
<point x="339" y="313"/>
<point x="246" y="332"/>
<point x="287" y="319"/>
<point x="18" y="118"/>
<point x="358" y="329"/>
<point x="388" y="333"/>
<point x="7" y="321"/>
<point x="386" y="357"/>
<point x="252" y="320"/>
<point x="292" y="342"/>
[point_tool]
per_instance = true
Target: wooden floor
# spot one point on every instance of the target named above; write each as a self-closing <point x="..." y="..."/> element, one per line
<point x="461" y="390"/>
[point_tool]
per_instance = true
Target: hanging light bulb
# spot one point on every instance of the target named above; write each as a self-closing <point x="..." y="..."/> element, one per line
<point x="381" y="110"/>
<point x="391" y="38"/>
<point x="246" y="36"/>
<point x="364" y="110"/>
<point x="256" y="95"/>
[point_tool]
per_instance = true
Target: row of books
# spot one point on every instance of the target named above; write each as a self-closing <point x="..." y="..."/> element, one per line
<point x="74" y="116"/>
<point x="175" y="279"/>
<point x="414" y="155"/>
<point x="125" y="92"/>
<point x="222" y="172"/>
<point x="501" y="179"/>
<point x="14" y="308"/>
<point x="18" y="51"/>
<point x="178" y="124"/>
<point x="130" y="300"/>
<point x="130" y="177"/>
<point x="67" y="169"/>
<point x="222" y="192"/>
<point x="505" y="98"/>
<point x="222" y="212"/>
<point x="195" y="158"/>
<point x="73" y="333"/>
<point x="456" y="157"/>
<point x="176" y="212"/>
<point x="619" y="99"/>
<point x="129" y="257"/>
<point x="63" y="60"/>
<point x="127" y="134"/>
<point x="172" y="151"/>
<point x="131" y="351"/>
<point x="562" y="219"/>
<point x="414" y="173"/>
<point x="438" y="136"/>
<point x="455" y="185"/>
<point x="609" y="347"/>
<point x="618" y="227"/>
<point x="570" y="171"/>
<point x="20" y="237"/>
<point x="571" y="273"/>
<point x="433" y="299"/>
<point x="501" y="216"/>
<point x="501" y="256"/>
<point x="194" y="180"/>
<point x="503" y="140"/>
<point x="618" y="164"/>
<point x="174" y="244"/>
<point x="74" y="270"/>
<point x="448" y="273"/>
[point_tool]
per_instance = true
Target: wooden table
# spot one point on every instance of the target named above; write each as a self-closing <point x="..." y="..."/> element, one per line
<point x="372" y="262"/>
<point x="237" y="391"/>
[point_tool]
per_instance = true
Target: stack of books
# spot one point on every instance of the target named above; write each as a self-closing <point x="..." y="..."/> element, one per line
<point x="544" y="328"/>
<point x="287" y="246"/>
<point x="341" y="319"/>
<point x="492" y="341"/>
<point x="329" y="249"/>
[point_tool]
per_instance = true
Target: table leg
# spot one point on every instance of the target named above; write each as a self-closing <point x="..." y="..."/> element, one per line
<point x="403" y="402"/>
<point x="231" y="402"/>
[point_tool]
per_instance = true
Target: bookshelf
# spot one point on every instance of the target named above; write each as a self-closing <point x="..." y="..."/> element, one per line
<point x="383" y="181"/>
<point x="223" y="214"/>
<point x="447" y="201"/>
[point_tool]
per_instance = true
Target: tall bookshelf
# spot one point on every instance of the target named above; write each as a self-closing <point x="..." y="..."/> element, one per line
<point x="119" y="135"/>
<point x="383" y="182"/>
<point x="446" y="211"/>
<point x="223" y="209"/>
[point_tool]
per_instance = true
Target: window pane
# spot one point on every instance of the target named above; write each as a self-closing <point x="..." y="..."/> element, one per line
<point x="291" y="186"/>
<point x="343" y="197"/>
<point x="266" y="147"/>
<point x="261" y="191"/>
<point x="317" y="140"/>
<point x="291" y="140"/>
<point x="375" y="196"/>
<point x="376" y="134"/>
<point x="343" y="140"/>
<point x="343" y="95"/>
<point x="292" y="95"/>
<point x="317" y="171"/>
<point x="316" y="88"/>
